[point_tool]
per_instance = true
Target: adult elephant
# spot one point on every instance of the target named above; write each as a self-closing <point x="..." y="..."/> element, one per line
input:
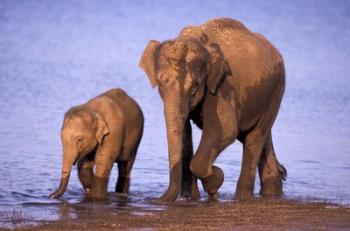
<point x="229" y="81"/>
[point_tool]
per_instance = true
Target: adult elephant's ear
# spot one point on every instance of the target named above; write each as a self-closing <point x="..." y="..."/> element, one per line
<point x="147" y="62"/>
<point x="217" y="66"/>
<point x="101" y="127"/>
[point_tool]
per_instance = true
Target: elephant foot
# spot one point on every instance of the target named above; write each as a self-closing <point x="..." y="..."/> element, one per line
<point x="186" y="190"/>
<point x="159" y="201"/>
<point x="189" y="190"/>
<point x="167" y="198"/>
<point x="272" y="187"/>
<point x="195" y="195"/>
<point x="98" y="189"/>
<point x="244" y="191"/>
<point x="190" y="195"/>
<point x="243" y="196"/>
<point x="212" y="183"/>
<point x="213" y="197"/>
<point x="170" y="195"/>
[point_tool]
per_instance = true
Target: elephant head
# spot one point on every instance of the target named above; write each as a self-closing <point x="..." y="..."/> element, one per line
<point x="82" y="131"/>
<point x="184" y="69"/>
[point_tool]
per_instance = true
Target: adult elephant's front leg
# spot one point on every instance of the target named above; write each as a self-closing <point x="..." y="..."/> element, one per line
<point x="211" y="144"/>
<point x="189" y="182"/>
<point x="219" y="131"/>
<point x="202" y="166"/>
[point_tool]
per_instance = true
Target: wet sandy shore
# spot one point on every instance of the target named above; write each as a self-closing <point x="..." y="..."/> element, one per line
<point x="230" y="215"/>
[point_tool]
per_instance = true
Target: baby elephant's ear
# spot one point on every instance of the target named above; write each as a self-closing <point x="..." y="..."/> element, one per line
<point x="102" y="128"/>
<point x="147" y="61"/>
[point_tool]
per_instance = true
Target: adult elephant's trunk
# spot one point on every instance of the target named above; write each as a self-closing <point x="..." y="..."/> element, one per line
<point x="175" y="119"/>
<point x="67" y="162"/>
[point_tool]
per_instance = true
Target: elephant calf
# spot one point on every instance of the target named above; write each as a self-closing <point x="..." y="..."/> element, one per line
<point x="104" y="130"/>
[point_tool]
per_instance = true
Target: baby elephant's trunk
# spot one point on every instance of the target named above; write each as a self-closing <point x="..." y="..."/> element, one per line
<point x="61" y="189"/>
<point x="66" y="169"/>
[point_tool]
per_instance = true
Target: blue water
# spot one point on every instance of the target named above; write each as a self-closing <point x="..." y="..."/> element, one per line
<point x="57" y="54"/>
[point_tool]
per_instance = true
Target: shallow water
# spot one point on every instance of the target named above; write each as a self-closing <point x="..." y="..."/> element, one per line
<point x="57" y="54"/>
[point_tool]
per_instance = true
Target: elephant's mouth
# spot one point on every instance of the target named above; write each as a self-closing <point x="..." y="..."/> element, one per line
<point x="79" y="158"/>
<point x="76" y="160"/>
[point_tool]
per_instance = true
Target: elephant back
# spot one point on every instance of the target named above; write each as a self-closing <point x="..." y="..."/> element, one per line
<point x="251" y="57"/>
<point x="129" y="107"/>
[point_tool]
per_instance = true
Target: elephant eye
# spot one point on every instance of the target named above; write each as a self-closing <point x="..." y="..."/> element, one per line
<point x="79" y="141"/>
<point x="195" y="88"/>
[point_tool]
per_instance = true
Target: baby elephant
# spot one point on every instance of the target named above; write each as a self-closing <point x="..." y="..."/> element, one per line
<point x="104" y="130"/>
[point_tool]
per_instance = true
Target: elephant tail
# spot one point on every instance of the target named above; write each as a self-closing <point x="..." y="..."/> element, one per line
<point x="282" y="170"/>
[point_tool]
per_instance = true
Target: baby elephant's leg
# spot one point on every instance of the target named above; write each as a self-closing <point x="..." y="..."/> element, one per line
<point x="124" y="169"/>
<point x="85" y="173"/>
<point x="100" y="179"/>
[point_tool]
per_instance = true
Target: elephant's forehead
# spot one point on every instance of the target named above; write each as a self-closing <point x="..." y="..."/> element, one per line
<point x="174" y="50"/>
<point x="73" y="132"/>
<point x="73" y="123"/>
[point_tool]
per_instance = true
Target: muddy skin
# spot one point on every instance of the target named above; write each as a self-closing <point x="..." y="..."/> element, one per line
<point x="230" y="82"/>
<point x="105" y="130"/>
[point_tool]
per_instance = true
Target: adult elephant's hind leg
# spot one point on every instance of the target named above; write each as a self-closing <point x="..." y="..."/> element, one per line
<point x="253" y="145"/>
<point x="189" y="187"/>
<point x="271" y="172"/>
<point x="252" y="148"/>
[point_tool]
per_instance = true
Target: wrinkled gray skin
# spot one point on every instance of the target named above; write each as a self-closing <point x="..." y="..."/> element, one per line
<point x="105" y="130"/>
<point x="229" y="81"/>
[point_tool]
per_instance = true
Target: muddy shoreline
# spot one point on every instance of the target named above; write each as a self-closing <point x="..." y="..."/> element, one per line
<point x="258" y="214"/>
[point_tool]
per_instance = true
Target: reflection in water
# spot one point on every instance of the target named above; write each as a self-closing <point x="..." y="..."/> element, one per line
<point x="30" y="212"/>
<point x="54" y="55"/>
